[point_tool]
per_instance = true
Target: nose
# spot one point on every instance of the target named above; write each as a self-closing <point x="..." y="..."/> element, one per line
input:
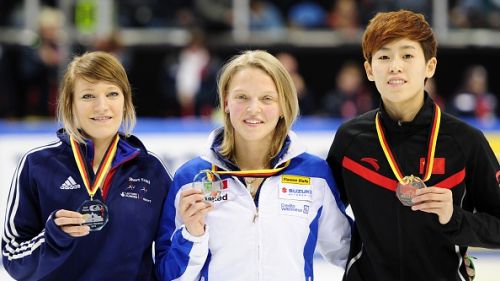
<point x="396" y="65"/>
<point x="101" y="103"/>
<point x="253" y="105"/>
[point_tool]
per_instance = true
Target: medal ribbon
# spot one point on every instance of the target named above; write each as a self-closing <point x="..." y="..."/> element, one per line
<point x="252" y="173"/>
<point x="103" y="167"/>
<point x="429" y="162"/>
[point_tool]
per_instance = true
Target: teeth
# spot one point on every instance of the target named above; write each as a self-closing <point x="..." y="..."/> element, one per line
<point x="253" y="121"/>
<point x="101" y="118"/>
<point x="396" y="81"/>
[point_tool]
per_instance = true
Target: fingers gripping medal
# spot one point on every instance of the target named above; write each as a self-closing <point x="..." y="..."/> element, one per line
<point x="209" y="183"/>
<point x="406" y="189"/>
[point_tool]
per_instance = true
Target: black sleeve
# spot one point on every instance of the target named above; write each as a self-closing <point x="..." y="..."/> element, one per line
<point x="480" y="228"/>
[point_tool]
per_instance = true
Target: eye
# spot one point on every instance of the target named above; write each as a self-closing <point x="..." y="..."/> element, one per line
<point x="408" y="56"/>
<point x="268" y="99"/>
<point x="113" y="94"/>
<point x="87" y="96"/>
<point x="241" y="97"/>
<point x="383" y="57"/>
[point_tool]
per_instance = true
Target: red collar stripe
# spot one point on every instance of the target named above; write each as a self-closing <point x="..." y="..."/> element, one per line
<point x="390" y="184"/>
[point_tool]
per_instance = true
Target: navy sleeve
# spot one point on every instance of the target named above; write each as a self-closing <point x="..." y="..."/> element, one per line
<point x="31" y="247"/>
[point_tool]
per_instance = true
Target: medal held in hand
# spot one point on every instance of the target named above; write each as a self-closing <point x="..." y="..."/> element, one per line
<point x="407" y="187"/>
<point x="209" y="183"/>
<point x="95" y="214"/>
<point x="94" y="211"/>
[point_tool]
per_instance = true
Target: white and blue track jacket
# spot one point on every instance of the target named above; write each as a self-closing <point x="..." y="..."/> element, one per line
<point x="47" y="179"/>
<point x="270" y="238"/>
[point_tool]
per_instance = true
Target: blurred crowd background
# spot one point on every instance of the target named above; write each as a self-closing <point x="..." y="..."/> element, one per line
<point x="173" y="49"/>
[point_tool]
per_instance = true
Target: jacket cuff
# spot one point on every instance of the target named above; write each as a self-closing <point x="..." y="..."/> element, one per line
<point x="54" y="235"/>
<point x="195" y="239"/>
<point x="455" y="221"/>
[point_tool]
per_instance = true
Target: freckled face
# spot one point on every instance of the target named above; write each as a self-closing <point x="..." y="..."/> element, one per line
<point x="98" y="107"/>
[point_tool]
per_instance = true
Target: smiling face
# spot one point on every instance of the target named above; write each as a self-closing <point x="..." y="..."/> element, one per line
<point x="98" y="108"/>
<point x="399" y="70"/>
<point x="253" y="106"/>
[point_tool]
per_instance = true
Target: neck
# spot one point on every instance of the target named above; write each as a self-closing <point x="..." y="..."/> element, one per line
<point x="404" y="111"/>
<point x="251" y="157"/>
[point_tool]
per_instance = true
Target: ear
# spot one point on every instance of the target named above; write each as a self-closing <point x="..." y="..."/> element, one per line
<point x="226" y="109"/>
<point x="430" y="67"/>
<point x="369" y="71"/>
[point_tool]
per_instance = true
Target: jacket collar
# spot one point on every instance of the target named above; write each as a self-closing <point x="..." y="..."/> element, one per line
<point x="423" y="119"/>
<point x="128" y="148"/>
<point x="290" y="149"/>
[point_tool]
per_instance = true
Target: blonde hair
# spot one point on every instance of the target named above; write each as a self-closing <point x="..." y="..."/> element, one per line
<point x="287" y="97"/>
<point x="93" y="66"/>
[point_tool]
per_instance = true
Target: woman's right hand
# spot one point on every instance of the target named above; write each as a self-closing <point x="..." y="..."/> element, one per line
<point x="193" y="210"/>
<point x="71" y="222"/>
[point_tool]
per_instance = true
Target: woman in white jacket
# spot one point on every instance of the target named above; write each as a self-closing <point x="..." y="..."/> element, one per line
<point x="276" y="202"/>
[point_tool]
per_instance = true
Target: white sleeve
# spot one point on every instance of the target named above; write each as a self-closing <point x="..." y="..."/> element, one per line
<point x="334" y="234"/>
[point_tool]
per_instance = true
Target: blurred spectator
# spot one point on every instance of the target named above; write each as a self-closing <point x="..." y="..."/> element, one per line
<point x="306" y="99"/>
<point x="113" y="44"/>
<point x="368" y="8"/>
<point x="475" y="14"/>
<point x="419" y="6"/>
<point x="39" y="65"/>
<point x="190" y="81"/>
<point x="176" y="13"/>
<point x="474" y="99"/>
<point x="154" y="13"/>
<point x="307" y="15"/>
<point x="431" y="89"/>
<point x="344" y="17"/>
<point x="215" y="14"/>
<point x="8" y="97"/>
<point x="350" y="97"/>
<point x="265" y="16"/>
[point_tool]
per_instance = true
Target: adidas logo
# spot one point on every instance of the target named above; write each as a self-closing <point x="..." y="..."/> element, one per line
<point x="69" y="184"/>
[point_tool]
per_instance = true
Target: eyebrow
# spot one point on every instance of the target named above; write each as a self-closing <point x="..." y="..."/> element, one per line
<point x="112" y="88"/>
<point x="404" y="47"/>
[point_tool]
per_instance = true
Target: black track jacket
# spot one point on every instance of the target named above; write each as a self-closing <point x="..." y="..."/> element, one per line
<point x="392" y="242"/>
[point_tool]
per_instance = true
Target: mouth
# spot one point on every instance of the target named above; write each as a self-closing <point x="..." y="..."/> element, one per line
<point x="252" y="121"/>
<point x="101" y="118"/>
<point x="396" y="82"/>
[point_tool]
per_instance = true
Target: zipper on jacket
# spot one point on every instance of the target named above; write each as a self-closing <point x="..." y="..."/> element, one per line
<point x="256" y="215"/>
<point x="256" y="201"/>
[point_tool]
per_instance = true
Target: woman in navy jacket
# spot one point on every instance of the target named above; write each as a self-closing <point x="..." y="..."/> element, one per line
<point x="87" y="206"/>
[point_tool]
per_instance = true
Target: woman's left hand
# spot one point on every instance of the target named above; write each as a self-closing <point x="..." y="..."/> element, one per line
<point x="434" y="200"/>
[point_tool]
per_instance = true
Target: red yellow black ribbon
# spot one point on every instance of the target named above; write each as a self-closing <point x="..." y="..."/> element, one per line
<point x="429" y="162"/>
<point x="103" y="167"/>
<point x="252" y="173"/>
